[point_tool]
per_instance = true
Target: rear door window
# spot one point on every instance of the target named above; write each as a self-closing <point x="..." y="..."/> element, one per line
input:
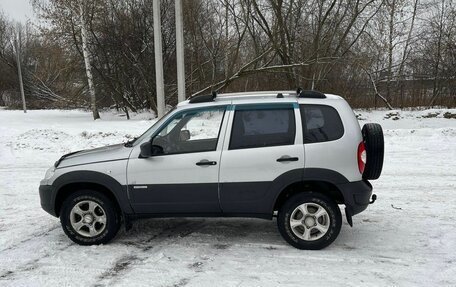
<point x="262" y="127"/>
<point x="320" y="123"/>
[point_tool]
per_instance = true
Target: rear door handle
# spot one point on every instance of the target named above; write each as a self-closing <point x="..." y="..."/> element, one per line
<point x="206" y="162"/>
<point x="287" y="158"/>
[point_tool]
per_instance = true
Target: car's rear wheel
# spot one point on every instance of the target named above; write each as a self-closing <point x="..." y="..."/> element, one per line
<point x="309" y="221"/>
<point x="374" y="144"/>
<point x="88" y="217"/>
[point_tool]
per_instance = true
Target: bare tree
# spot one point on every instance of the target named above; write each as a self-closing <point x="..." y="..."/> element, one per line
<point x="17" y="46"/>
<point x="88" y="67"/>
<point x="440" y="30"/>
<point x="406" y="50"/>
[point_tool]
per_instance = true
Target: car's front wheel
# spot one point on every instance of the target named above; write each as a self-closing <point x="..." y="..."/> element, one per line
<point x="88" y="218"/>
<point x="309" y="221"/>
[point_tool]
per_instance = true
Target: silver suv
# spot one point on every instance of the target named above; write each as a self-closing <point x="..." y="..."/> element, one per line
<point x="296" y="156"/>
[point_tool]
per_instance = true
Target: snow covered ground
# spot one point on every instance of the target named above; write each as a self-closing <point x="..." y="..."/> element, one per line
<point x="407" y="238"/>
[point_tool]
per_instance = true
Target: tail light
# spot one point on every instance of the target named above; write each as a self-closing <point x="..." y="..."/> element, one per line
<point x="362" y="156"/>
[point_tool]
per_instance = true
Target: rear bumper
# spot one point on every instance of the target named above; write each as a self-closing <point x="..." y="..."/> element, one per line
<point x="356" y="195"/>
<point x="47" y="195"/>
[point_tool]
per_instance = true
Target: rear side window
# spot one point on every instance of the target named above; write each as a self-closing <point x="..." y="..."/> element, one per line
<point x="254" y="128"/>
<point x="320" y="123"/>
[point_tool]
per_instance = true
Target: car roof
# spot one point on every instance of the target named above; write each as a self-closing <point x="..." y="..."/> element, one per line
<point x="257" y="97"/>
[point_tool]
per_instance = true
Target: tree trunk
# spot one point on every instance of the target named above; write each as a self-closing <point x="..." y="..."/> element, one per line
<point x="376" y="93"/>
<point x="127" y="113"/>
<point x="390" y="48"/>
<point x="88" y="68"/>
<point x="17" y="42"/>
<point x="227" y="65"/>
<point x="405" y="54"/>
<point x="435" y="84"/>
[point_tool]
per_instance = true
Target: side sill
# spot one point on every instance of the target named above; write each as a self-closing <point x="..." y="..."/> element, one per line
<point x="201" y="215"/>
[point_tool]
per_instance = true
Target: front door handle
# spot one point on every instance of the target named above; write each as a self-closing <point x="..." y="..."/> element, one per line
<point x="206" y="162"/>
<point x="287" y="158"/>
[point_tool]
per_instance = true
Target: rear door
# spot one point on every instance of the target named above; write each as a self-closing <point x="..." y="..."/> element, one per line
<point x="263" y="149"/>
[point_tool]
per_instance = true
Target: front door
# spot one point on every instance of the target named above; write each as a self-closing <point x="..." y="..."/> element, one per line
<point x="182" y="177"/>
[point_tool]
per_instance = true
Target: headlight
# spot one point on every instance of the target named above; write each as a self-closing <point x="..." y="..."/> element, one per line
<point x="49" y="173"/>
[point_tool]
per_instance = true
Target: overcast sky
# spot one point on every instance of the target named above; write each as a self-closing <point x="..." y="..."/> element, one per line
<point x="19" y="10"/>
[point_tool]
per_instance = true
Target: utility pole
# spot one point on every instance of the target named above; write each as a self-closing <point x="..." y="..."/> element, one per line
<point x="17" y="44"/>
<point x="180" y="52"/>
<point x="158" y="60"/>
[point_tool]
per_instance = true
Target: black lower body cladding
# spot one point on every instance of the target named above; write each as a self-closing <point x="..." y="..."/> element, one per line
<point x="47" y="199"/>
<point x="356" y="195"/>
<point x="252" y="199"/>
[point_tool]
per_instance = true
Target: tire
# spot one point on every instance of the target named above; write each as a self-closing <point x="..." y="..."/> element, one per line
<point x="304" y="234"/>
<point x="89" y="218"/>
<point x="375" y="149"/>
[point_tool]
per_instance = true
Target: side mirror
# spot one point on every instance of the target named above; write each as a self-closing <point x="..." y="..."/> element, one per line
<point x="146" y="150"/>
<point x="157" y="150"/>
<point x="184" y="135"/>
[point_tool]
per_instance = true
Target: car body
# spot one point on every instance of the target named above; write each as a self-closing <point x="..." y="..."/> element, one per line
<point x="239" y="154"/>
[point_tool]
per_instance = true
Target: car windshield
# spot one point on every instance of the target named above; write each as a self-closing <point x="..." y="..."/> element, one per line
<point x="152" y="129"/>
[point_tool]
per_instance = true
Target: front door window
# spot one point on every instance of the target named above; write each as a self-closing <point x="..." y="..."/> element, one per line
<point x="191" y="131"/>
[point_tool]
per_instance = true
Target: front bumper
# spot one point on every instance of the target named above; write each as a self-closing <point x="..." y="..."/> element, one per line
<point x="356" y="195"/>
<point x="47" y="198"/>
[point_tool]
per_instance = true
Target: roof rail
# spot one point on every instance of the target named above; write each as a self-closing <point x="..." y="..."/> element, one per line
<point x="203" y="98"/>
<point x="309" y="94"/>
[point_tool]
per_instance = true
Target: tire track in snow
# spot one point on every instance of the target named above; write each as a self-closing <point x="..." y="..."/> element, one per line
<point x="126" y="263"/>
<point x="32" y="265"/>
<point x="201" y="265"/>
<point x="206" y="262"/>
<point x="31" y="237"/>
<point x="218" y="249"/>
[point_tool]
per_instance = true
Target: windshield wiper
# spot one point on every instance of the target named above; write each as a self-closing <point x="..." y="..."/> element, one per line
<point x="130" y="142"/>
